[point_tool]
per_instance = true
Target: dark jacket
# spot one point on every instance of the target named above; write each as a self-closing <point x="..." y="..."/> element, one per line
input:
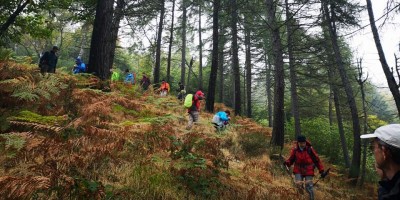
<point x="49" y="58"/>
<point x="304" y="160"/>
<point x="390" y="189"/>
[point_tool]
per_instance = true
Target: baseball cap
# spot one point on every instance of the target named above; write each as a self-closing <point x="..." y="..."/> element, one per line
<point x="390" y="134"/>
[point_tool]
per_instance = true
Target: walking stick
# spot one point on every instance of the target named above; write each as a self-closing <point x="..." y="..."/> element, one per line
<point x="323" y="175"/>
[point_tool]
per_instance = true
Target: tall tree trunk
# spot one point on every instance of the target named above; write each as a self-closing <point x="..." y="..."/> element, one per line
<point x="200" y="50"/>
<point x="278" y="121"/>
<point x="394" y="88"/>
<point x="221" y="63"/>
<point x="11" y="19"/>
<point x="214" y="62"/>
<point x="158" y="50"/>
<point x="268" y="87"/>
<point x="335" y="93"/>
<point x="100" y="46"/>
<point x="171" y="37"/>
<point x="118" y="14"/>
<point x="189" y="72"/>
<point x="356" y="160"/>
<point x="330" y="106"/>
<point x="235" y="58"/>
<point x="248" y="71"/>
<point x="183" y="59"/>
<point x="292" y="70"/>
<point x="361" y="82"/>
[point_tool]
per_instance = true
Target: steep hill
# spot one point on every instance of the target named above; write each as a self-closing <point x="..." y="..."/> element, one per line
<point x="62" y="140"/>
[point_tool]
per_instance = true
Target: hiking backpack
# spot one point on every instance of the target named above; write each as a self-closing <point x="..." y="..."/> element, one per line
<point x="188" y="101"/>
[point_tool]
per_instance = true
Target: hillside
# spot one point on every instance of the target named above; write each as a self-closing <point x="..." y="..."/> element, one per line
<point x="62" y="140"/>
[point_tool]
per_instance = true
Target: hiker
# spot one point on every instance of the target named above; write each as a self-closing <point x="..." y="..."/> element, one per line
<point x="221" y="119"/>
<point x="79" y="67"/>
<point x="386" y="149"/>
<point x="181" y="91"/>
<point x="145" y="82"/>
<point x="305" y="159"/>
<point x="164" y="88"/>
<point x="129" y="78"/>
<point x="114" y="75"/>
<point x="48" y="61"/>
<point x="194" y="109"/>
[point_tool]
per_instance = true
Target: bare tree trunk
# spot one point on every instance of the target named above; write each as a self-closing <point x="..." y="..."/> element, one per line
<point x="356" y="161"/>
<point x="189" y="72"/>
<point x="292" y="69"/>
<point x="235" y="58"/>
<point x="248" y="71"/>
<point x="183" y="59"/>
<point x="118" y="14"/>
<point x="268" y="87"/>
<point x="100" y="46"/>
<point x="11" y="19"/>
<point x="214" y="62"/>
<point x="171" y="37"/>
<point x="278" y="121"/>
<point x="335" y="93"/>
<point x="200" y="50"/>
<point x="330" y="106"/>
<point x="221" y="63"/>
<point x="361" y="82"/>
<point x="158" y="50"/>
<point x="393" y="86"/>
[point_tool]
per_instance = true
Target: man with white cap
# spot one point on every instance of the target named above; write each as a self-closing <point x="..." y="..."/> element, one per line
<point x="386" y="149"/>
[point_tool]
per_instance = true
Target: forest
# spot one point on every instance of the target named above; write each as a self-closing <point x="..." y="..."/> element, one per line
<point x="283" y="68"/>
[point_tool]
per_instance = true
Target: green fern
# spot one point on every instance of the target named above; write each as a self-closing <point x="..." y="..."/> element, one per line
<point x="26" y="88"/>
<point x="12" y="144"/>
<point x="28" y="116"/>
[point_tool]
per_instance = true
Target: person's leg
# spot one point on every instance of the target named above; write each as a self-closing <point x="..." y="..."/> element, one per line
<point x="190" y="122"/>
<point x="298" y="180"/>
<point x="309" y="186"/>
<point x="195" y="116"/>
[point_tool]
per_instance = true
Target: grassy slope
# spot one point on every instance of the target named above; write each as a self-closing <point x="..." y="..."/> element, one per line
<point x="85" y="144"/>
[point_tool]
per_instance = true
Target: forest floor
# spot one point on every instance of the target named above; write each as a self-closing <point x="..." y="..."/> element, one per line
<point x="62" y="140"/>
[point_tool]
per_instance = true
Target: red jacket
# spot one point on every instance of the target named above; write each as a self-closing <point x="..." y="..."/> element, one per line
<point x="199" y="95"/>
<point x="304" y="161"/>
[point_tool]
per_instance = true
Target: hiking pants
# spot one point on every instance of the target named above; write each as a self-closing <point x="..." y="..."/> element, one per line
<point x="193" y="117"/>
<point x="308" y="180"/>
<point x="163" y="93"/>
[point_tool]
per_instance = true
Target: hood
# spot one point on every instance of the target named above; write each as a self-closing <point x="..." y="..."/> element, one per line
<point x="78" y="60"/>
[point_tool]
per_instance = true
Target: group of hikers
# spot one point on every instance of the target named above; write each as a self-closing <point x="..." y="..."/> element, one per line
<point x="385" y="143"/>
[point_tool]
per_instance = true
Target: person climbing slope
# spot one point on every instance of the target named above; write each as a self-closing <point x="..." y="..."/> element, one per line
<point x="221" y="119"/>
<point x="195" y="108"/>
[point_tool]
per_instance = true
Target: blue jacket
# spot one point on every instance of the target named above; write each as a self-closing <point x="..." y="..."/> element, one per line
<point x="222" y="116"/>
<point x="80" y="67"/>
<point x="129" y="78"/>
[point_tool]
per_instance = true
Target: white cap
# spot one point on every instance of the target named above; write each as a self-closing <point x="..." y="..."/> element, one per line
<point x="390" y="134"/>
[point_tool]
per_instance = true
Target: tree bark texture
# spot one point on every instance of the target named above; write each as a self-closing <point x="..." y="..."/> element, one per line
<point x="118" y="14"/>
<point x="292" y="70"/>
<point x="221" y="44"/>
<point x="248" y="72"/>
<point x="101" y="38"/>
<point x="214" y="62"/>
<point x="268" y="88"/>
<point x="278" y="121"/>
<point x="200" y="50"/>
<point x="356" y="160"/>
<point x="235" y="58"/>
<point x="171" y="38"/>
<point x="183" y="59"/>
<point x="159" y="37"/>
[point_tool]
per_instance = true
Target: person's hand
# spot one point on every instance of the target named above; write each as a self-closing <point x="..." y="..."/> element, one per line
<point x="323" y="173"/>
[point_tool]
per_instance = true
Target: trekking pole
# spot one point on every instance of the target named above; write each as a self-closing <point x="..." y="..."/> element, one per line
<point x="323" y="175"/>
